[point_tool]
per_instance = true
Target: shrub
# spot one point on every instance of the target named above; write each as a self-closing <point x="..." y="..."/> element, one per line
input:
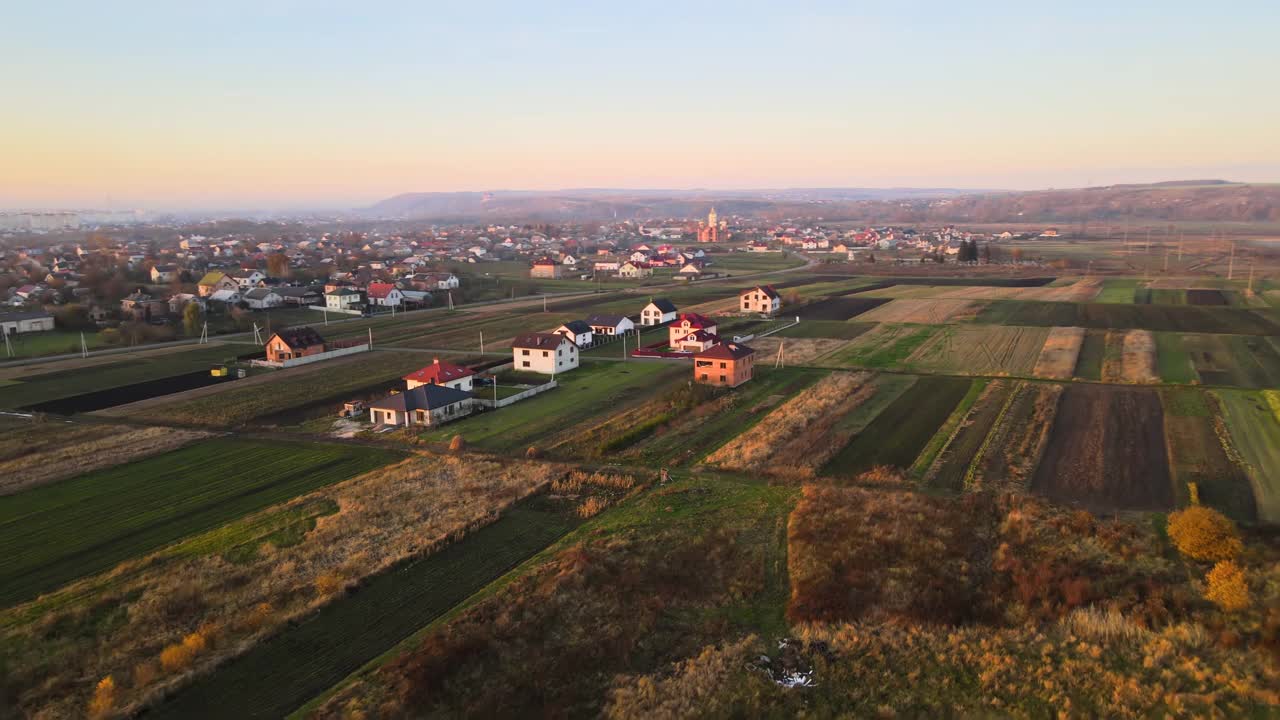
<point x="1226" y="586"/>
<point x="104" y="698"/>
<point x="1203" y="533"/>
<point x="457" y="444"/>
<point x="329" y="583"/>
<point x="532" y="453"/>
<point x="176" y="658"/>
<point x="592" y="507"/>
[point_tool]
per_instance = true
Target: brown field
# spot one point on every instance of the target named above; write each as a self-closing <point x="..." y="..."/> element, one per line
<point x="1138" y="357"/>
<point x="1083" y="290"/>
<point x="44" y="453"/>
<point x="981" y="350"/>
<point x="798" y="351"/>
<point x="923" y="311"/>
<point x="361" y="527"/>
<point x="794" y="437"/>
<point x="1012" y="450"/>
<point x="1060" y="352"/>
<point x="1107" y="451"/>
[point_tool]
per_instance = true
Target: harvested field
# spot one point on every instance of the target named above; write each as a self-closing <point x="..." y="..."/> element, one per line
<point x="1253" y="433"/>
<point x="886" y="346"/>
<point x="1234" y="360"/>
<point x="38" y="455"/>
<point x="923" y="311"/>
<point x="1206" y="297"/>
<point x="1011" y="451"/>
<point x="1060" y="353"/>
<point x="898" y="434"/>
<point x="1107" y="451"/>
<point x="794" y="438"/>
<point x="246" y="582"/>
<point x="838" y="308"/>
<point x="1197" y="455"/>
<point x="1082" y="290"/>
<point x="797" y="351"/>
<point x="980" y="350"/>
<point x="961" y="446"/>
<point x="1131" y="358"/>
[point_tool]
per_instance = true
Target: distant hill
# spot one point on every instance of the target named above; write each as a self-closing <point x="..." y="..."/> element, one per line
<point x="1186" y="200"/>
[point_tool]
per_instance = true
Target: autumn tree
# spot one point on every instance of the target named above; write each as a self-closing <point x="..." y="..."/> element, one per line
<point x="1226" y="587"/>
<point x="1203" y="533"/>
<point x="191" y="318"/>
<point x="277" y="265"/>
<point x="104" y="698"/>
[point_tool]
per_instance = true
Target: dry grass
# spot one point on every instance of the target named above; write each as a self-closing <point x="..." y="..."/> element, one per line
<point x="1083" y="290"/>
<point x="798" y="350"/>
<point x="793" y="435"/>
<point x="923" y="311"/>
<point x="1060" y="352"/>
<point x="51" y="453"/>
<point x="1017" y="440"/>
<point x="981" y="350"/>
<point x="1135" y="361"/>
<point x="383" y="517"/>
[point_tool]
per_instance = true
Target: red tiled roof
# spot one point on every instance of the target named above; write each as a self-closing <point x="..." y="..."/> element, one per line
<point x="726" y="351"/>
<point x="439" y="373"/>
<point x="695" y="320"/>
<point x="379" y="290"/>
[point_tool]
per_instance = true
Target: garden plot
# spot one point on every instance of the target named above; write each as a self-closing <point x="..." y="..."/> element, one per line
<point x="948" y="468"/>
<point x="1092" y="353"/>
<point x="1107" y="451"/>
<point x="887" y="346"/>
<point x="1197" y="455"/>
<point x="980" y="350"/>
<point x="923" y="311"/>
<point x="1130" y="357"/>
<point x="796" y="351"/>
<point x="1060" y="353"/>
<point x="1254" y="433"/>
<point x="838" y="308"/>
<point x="1019" y="433"/>
<point x="1234" y="360"/>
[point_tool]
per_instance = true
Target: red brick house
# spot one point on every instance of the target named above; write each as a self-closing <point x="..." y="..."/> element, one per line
<point x="729" y="364"/>
<point x="546" y="268"/>
<point x="294" y="343"/>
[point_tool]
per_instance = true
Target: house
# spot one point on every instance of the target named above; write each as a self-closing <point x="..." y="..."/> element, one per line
<point x="164" y="273"/>
<point x="546" y="353"/>
<point x="633" y="269"/>
<point x="25" y="322"/>
<point x="298" y="295"/>
<point x="728" y="364"/>
<point x="691" y="270"/>
<point x="578" y="331"/>
<point x="226" y="297"/>
<point x="384" y="294"/>
<point x="610" y="324"/>
<point x="697" y="341"/>
<point x="262" y="298"/>
<point x="252" y="279"/>
<point x="445" y="281"/>
<point x="761" y="299"/>
<point x="294" y="343"/>
<point x="179" y="301"/>
<point x="607" y="266"/>
<point x="344" y="299"/>
<point x="214" y="281"/>
<point x="658" y="311"/>
<point x="142" y="306"/>
<point x="422" y="405"/>
<point x="688" y="323"/>
<point x="441" y="373"/>
<point x="546" y="268"/>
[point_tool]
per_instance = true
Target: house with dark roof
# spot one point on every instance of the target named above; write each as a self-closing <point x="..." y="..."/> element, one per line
<point x="658" y="311"/>
<point x="441" y="373"/>
<point x="728" y="364"/>
<point x="610" y="324"/>
<point x="546" y="353"/>
<point x="294" y="343"/>
<point x="16" y="323"/>
<point x="761" y="298"/>
<point x="422" y="405"/>
<point x="578" y="331"/>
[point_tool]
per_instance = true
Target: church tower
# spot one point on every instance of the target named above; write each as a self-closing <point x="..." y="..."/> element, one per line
<point x="711" y="218"/>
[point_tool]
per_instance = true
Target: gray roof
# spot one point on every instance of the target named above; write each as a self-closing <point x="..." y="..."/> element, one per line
<point x="663" y="304"/>
<point x="12" y="316"/>
<point x="260" y="293"/>
<point x="580" y="327"/>
<point x="423" y="397"/>
<point x="605" y="320"/>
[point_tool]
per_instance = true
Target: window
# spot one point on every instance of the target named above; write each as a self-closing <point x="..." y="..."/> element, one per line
<point x="722" y="366"/>
<point x="559" y="352"/>
<point x="525" y="353"/>
<point x="525" y="364"/>
<point x="546" y="354"/>
<point x="722" y="378"/>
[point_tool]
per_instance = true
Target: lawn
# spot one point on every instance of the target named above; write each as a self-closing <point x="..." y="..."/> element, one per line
<point x="279" y="675"/>
<point x="1255" y="433"/>
<point x="898" y="434"/>
<point x="57" y="533"/>
<point x="50" y="342"/>
<point x="888" y="346"/>
<point x="583" y="393"/>
<point x="1172" y="361"/>
<point x="1117" y="290"/>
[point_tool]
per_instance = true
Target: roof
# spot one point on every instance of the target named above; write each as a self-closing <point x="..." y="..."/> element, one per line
<point x="701" y="336"/>
<point x="663" y="304"/>
<point x="696" y="320"/>
<point x="212" y="278"/>
<point x="540" y="341"/>
<point x="577" y="327"/>
<point x="300" y="337"/>
<point x="260" y="293"/>
<point x="423" y="397"/>
<point x="439" y="372"/>
<point x="766" y="289"/>
<point x="380" y="290"/>
<point x="545" y="261"/>
<point x="606" y="320"/>
<point x="12" y="316"/>
<point x="727" y="351"/>
<point x="343" y="291"/>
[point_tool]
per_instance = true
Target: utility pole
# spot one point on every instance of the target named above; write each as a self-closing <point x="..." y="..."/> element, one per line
<point x="370" y="338"/>
<point x="84" y="348"/>
<point x="481" y="342"/>
<point x="8" y="348"/>
<point x="1231" y="264"/>
<point x="204" y="334"/>
<point x="544" y="302"/>
<point x="624" y="347"/>
<point x="1166" y="260"/>
<point x="1250" y="275"/>
<point x="1180" y="239"/>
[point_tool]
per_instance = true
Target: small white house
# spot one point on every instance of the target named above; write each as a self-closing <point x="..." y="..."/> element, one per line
<point x="658" y="311"/>
<point x="164" y="273"/>
<point x="422" y="405"/>
<point x="578" y="331"/>
<point x="252" y="279"/>
<point x="19" y="323"/>
<point x="342" y="299"/>
<point x="546" y="353"/>
<point x="385" y="294"/>
<point x="633" y="269"/>
<point x="610" y="324"/>
<point x="262" y="299"/>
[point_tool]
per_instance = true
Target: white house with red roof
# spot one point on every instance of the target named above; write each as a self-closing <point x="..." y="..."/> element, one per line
<point x="384" y="294"/>
<point x="686" y="324"/>
<point x="441" y="373"/>
<point x="698" y="341"/>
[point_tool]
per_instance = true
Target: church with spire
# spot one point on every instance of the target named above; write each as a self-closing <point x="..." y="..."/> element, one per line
<point x="710" y="231"/>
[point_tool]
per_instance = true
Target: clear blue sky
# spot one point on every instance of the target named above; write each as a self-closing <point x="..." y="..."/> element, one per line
<point x="274" y="103"/>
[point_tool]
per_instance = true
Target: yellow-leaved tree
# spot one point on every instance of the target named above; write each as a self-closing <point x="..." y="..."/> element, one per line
<point x="1226" y="587"/>
<point x="104" y="698"/>
<point x="1204" y="534"/>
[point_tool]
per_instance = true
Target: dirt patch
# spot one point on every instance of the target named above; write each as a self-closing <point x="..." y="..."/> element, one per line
<point x="1138" y="357"/>
<point x="1107" y="451"/>
<point x="840" y="308"/>
<point x="907" y="310"/>
<point x="1060" y="352"/>
<point x="80" y="449"/>
<point x="1206" y="297"/>
<point x="797" y="350"/>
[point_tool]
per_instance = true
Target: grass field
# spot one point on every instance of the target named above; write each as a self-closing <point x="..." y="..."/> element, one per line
<point x="743" y="263"/>
<point x="590" y="390"/>
<point x="1234" y="360"/>
<point x="1173" y="363"/>
<point x="281" y="674"/>
<point x="887" y="346"/>
<point x="1255" y="435"/>
<point x="980" y="350"/>
<point x="898" y="434"/>
<point x="836" y="329"/>
<point x="1176" y="318"/>
<point x="1092" y="353"/>
<point x="1117" y="290"/>
<point x="1196" y="455"/>
<point x="57" y="533"/>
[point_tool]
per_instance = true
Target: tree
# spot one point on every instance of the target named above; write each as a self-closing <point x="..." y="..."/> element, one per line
<point x="104" y="698"/>
<point x="191" y="318"/>
<point x="277" y="265"/>
<point x="986" y="253"/>
<point x="1203" y="533"/>
<point x="1017" y="255"/>
<point x="1226" y="586"/>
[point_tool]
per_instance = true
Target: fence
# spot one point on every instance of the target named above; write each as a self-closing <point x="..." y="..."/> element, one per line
<point x="493" y="405"/>
<point x="327" y="355"/>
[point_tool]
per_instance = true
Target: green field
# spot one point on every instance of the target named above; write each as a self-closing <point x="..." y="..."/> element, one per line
<point x="57" y="533"/>
<point x="898" y="434"/>
<point x="741" y="263"/>
<point x="1235" y="360"/>
<point x="1255" y="433"/>
<point x="282" y="673"/>
<point x="590" y="390"/>
<point x="1117" y="290"/>
<point x="1196" y="455"/>
<point x="1092" y="353"/>
<point x="50" y="342"/>
<point x="887" y="347"/>
<point x="1173" y="363"/>
<point x="1174" y="318"/>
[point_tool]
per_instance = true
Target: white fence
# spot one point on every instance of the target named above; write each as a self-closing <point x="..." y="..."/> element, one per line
<point x="347" y="311"/>
<point x="491" y="404"/>
<point x="327" y="355"/>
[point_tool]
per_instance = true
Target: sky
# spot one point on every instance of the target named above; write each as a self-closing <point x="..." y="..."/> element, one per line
<point x="282" y="104"/>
